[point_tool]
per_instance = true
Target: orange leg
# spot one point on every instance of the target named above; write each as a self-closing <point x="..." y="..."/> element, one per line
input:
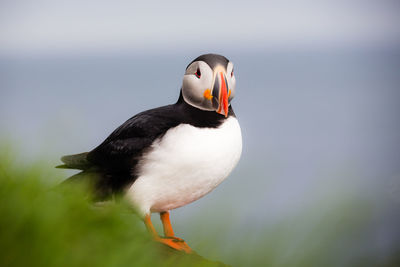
<point x="149" y="226"/>
<point x="168" y="231"/>
<point x="169" y="239"/>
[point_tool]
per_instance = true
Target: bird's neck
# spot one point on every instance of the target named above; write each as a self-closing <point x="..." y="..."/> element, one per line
<point x="202" y="117"/>
<point x="180" y="99"/>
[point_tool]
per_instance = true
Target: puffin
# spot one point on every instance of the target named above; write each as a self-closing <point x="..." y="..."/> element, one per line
<point x="167" y="157"/>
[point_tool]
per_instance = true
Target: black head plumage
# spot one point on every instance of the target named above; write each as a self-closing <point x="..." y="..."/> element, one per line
<point x="212" y="60"/>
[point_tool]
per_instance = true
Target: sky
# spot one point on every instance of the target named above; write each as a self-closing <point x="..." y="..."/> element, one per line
<point x="43" y="26"/>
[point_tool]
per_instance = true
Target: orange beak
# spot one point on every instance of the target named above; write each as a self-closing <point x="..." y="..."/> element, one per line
<point x="223" y="94"/>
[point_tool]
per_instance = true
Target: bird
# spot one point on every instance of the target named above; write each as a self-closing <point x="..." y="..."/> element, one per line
<point x="167" y="157"/>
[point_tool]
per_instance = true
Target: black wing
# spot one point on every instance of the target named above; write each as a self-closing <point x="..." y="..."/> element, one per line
<point x="121" y="150"/>
<point x="110" y="167"/>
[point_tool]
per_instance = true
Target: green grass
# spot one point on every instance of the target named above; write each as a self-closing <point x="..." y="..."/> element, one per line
<point x="42" y="224"/>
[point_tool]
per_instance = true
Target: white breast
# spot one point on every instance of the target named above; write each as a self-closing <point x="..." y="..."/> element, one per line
<point x="184" y="165"/>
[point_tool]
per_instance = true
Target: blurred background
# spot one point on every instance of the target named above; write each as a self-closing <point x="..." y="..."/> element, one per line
<point x="318" y="90"/>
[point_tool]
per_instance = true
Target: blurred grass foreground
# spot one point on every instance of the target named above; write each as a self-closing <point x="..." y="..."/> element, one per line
<point x="46" y="225"/>
<point x="43" y="224"/>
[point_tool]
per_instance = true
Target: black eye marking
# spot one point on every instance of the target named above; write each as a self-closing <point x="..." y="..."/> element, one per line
<point x="198" y="73"/>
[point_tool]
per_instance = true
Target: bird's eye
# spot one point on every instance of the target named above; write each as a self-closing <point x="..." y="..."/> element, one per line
<point x="198" y="73"/>
<point x="232" y="73"/>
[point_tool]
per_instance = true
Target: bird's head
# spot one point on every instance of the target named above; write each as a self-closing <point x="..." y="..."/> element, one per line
<point x="209" y="83"/>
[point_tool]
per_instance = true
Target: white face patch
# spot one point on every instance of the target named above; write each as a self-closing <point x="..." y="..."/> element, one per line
<point x="199" y="78"/>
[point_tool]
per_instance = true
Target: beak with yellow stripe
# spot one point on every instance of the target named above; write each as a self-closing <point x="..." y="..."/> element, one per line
<point x="209" y="83"/>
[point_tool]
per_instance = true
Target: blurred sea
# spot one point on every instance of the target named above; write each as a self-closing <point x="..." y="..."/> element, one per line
<point x="321" y="135"/>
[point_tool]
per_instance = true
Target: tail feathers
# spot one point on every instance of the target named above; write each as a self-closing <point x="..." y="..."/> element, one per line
<point x="77" y="161"/>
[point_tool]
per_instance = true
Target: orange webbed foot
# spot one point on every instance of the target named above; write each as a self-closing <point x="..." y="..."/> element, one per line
<point x="175" y="243"/>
